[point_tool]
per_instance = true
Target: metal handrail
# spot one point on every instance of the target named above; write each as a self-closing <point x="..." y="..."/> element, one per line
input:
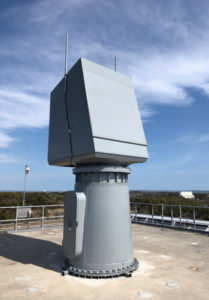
<point x="165" y="204"/>
<point x="30" y="206"/>
<point x="26" y="219"/>
<point x="22" y="222"/>
<point x="169" y="220"/>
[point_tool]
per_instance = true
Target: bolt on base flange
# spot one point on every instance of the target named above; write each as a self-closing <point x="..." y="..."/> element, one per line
<point x="96" y="274"/>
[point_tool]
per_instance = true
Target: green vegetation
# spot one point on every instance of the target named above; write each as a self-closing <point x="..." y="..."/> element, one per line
<point x="166" y="198"/>
<point x="32" y="198"/>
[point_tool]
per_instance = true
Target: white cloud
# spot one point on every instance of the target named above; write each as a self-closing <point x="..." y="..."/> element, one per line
<point x="161" y="71"/>
<point x="163" y="79"/>
<point x="146" y="111"/>
<point x="20" y="109"/>
<point x="5" y="140"/>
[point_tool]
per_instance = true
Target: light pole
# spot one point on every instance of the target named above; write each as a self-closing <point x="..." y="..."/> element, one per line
<point x="27" y="169"/>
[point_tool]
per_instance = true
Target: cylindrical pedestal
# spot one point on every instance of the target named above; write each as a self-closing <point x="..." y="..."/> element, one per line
<point x="107" y="241"/>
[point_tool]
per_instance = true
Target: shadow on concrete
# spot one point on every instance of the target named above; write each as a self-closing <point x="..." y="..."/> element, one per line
<point x="27" y="250"/>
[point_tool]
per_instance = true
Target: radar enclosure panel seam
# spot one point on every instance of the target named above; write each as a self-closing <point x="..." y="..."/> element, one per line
<point x="59" y="152"/>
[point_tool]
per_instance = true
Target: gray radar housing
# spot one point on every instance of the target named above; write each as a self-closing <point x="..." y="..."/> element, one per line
<point x="95" y="126"/>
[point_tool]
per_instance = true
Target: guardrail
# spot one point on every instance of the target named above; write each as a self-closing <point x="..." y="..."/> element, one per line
<point x="17" y="218"/>
<point x="186" y="217"/>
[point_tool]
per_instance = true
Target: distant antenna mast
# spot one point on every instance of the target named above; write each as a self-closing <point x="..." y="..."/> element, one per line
<point x="115" y="63"/>
<point x="66" y="53"/>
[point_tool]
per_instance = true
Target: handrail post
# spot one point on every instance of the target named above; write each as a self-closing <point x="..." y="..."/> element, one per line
<point x="152" y="214"/>
<point x="162" y="212"/>
<point x="171" y="214"/>
<point x="42" y="218"/>
<point x="180" y="214"/>
<point x="16" y="218"/>
<point x="194" y="225"/>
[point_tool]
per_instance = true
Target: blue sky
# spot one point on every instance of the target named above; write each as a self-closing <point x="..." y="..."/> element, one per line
<point x="162" y="45"/>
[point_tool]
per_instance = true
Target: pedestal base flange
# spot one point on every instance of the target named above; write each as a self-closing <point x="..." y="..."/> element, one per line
<point x="127" y="271"/>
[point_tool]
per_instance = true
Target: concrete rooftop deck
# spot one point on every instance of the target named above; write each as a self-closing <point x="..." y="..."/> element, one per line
<point x="173" y="265"/>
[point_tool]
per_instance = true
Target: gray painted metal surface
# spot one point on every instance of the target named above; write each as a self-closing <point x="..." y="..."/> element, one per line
<point x="59" y="149"/>
<point x="95" y="120"/>
<point x="23" y="212"/>
<point x="104" y="120"/>
<point x="107" y="239"/>
<point x="74" y="216"/>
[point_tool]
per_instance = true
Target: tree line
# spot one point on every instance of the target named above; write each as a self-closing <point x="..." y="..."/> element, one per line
<point x="136" y="197"/>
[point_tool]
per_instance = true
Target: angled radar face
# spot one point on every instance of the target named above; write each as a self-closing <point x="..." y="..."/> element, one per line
<point x="104" y="119"/>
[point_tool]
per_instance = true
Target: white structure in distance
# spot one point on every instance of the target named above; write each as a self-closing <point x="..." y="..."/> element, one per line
<point x="187" y="194"/>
